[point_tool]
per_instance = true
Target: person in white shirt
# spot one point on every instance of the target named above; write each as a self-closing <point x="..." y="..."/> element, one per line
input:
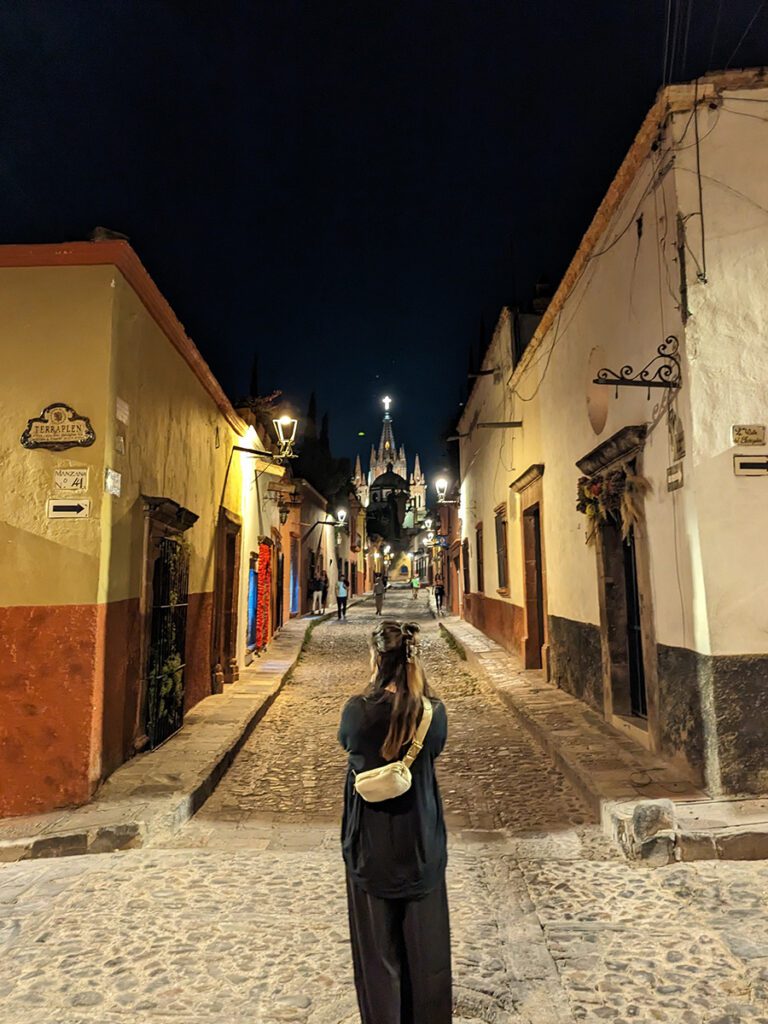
<point x="342" y="592"/>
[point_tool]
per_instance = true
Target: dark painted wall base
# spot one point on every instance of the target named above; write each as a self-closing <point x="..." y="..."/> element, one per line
<point x="713" y="709"/>
<point x="576" y="659"/>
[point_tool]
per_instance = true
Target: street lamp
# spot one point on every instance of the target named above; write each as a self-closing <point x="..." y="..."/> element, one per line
<point x="285" y="429"/>
<point x="441" y="486"/>
<point x="387" y="549"/>
<point x="430" y="536"/>
<point x="428" y="523"/>
<point x="341" y="515"/>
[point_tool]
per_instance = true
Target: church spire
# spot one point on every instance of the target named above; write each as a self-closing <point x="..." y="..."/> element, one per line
<point x="387" y="450"/>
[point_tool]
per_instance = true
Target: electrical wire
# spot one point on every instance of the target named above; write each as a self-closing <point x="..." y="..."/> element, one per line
<point x="715" y="34"/>
<point x="666" y="45"/>
<point x="746" y="32"/>
<point x="703" y="268"/>
<point x="684" y="60"/>
<point x="743" y="113"/>
<point x="730" y="188"/>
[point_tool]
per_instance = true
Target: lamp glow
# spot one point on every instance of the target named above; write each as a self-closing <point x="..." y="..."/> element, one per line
<point x="285" y="429"/>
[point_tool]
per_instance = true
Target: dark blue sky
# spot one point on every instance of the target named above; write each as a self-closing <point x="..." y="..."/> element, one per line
<point x="345" y="186"/>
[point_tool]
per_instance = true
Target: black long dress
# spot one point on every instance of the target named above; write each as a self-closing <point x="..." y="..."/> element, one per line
<point x="395" y="854"/>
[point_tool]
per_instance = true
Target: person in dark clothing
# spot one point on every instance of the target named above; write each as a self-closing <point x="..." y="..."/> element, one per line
<point x="395" y="851"/>
<point x="439" y="594"/>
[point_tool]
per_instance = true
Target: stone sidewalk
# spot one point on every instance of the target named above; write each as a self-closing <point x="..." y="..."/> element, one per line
<point x="153" y="794"/>
<point x="615" y="776"/>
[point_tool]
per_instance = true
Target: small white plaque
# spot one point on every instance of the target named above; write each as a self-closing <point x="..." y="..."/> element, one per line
<point x="750" y="465"/>
<point x="70" y="480"/>
<point x="69" y="508"/>
<point x="113" y="482"/>
<point x="122" y="410"/>
<point x="748" y="433"/>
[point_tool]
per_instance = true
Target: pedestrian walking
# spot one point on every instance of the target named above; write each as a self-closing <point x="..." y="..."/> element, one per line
<point x="379" y="589"/>
<point x="439" y="594"/>
<point x="316" y="588"/>
<point x="394" y="847"/>
<point x="342" y="592"/>
<point x="324" y="591"/>
<point x="415" y="584"/>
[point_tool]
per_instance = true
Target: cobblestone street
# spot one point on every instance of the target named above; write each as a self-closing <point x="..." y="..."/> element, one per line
<point x="241" y="915"/>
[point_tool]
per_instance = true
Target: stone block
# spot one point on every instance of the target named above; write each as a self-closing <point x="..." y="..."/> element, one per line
<point x="652" y="816"/>
<point x="696" y="846"/>
<point x="746" y="845"/>
<point x="658" y="850"/>
<point x="60" y="846"/>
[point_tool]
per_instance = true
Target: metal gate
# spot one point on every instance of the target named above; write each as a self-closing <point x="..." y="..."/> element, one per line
<point x="166" y="662"/>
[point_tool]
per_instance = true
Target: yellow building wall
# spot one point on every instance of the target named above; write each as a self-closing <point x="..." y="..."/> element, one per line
<point x="54" y="347"/>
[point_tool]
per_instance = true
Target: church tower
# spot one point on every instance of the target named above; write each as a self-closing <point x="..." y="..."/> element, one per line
<point x="389" y="455"/>
<point x="418" y="488"/>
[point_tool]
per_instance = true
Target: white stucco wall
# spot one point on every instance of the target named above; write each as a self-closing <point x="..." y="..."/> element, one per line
<point x="708" y="559"/>
<point x="727" y="363"/>
<point x="489" y="461"/>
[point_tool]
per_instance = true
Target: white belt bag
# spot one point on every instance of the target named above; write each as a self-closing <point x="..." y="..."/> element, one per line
<point x="394" y="779"/>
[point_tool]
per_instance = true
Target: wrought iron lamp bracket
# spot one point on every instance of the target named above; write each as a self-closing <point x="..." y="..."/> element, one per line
<point x="663" y="371"/>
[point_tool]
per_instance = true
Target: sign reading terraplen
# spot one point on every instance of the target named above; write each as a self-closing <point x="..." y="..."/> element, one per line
<point x="57" y="428"/>
<point x="748" y="433"/>
<point x="69" y="480"/>
<point x="69" y="508"/>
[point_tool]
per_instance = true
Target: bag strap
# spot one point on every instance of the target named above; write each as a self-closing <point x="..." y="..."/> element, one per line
<point x="418" y="740"/>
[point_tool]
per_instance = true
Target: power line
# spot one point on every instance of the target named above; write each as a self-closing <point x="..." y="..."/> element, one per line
<point x="666" y="45"/>
<point x="746" y="32"/>
<point x="715" y="34"/>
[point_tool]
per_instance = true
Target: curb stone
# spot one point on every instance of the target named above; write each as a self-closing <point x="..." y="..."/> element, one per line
<point x="689" y="826"/>
<point x="143" y="800"/>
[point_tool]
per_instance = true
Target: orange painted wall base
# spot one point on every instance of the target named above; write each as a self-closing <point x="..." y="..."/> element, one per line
<point x="70" y="683"/>
<point x="500" y="620"/>
<point x="48" y="706"/>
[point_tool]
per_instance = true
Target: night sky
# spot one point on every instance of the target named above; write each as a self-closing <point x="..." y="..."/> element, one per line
<point x="345" y="187"/>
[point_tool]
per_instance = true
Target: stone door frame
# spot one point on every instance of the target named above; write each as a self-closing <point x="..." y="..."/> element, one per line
<point x="529" y="486"/>
<point x="226" y="601"/>
<point x="163" y="517"/>
<point x="626" y="445"/>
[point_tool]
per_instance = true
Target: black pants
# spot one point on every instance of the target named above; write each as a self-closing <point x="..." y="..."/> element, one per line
<point x="342" y="603"/>
<point x="401" y="953"/>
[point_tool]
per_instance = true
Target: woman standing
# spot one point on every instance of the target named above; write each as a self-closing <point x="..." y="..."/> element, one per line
<point x="395" y="850"/>
<point x="379" y="589"/>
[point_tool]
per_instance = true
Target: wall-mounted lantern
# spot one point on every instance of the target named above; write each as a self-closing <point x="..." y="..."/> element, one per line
<point x="285" y="429"/>
<point x="441" y="486"/>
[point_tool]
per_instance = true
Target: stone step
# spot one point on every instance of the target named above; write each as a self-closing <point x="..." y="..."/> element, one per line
<point x="648" y="805"/>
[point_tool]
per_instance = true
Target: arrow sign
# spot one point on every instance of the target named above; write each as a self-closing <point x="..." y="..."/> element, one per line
<point x="750" y="465"/>
<point x="79" y="508"/>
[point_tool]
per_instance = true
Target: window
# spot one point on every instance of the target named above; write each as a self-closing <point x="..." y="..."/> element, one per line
<point x="501" y="548"/>
<point x="465" y="560"/>
<point x="479" y="552"/>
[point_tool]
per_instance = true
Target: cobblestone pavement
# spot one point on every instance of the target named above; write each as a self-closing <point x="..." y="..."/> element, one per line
<point x="241" y="916"/>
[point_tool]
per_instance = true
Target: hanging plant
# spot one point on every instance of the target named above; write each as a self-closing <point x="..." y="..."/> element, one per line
<point x="612" y="497"/>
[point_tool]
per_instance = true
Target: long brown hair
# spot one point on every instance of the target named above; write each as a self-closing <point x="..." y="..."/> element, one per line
<point x="395" y="659"/>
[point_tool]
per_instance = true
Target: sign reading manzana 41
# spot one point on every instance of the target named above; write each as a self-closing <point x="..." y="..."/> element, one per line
<point x="57" y="428"/>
